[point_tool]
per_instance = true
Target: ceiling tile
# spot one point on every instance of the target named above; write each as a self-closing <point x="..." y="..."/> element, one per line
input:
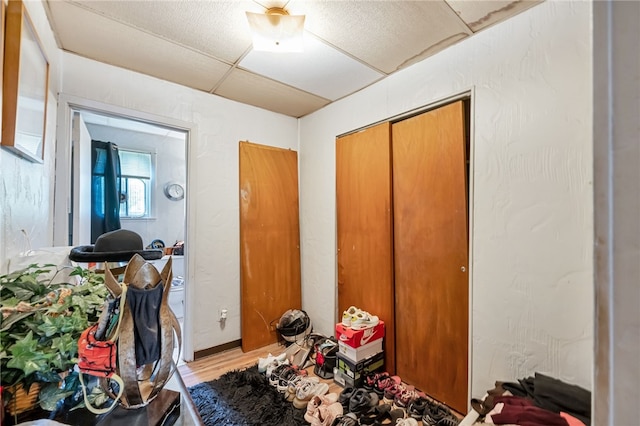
<point x="320" y="69"/>
<point x="481" y="14"/>
<point x="388" y="35"/>
<point x="217" y="28"/>
<point x="242" y="86"/>
<point x="114" y="44"/>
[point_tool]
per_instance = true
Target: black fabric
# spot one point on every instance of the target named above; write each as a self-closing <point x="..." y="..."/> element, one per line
<point x="244" y="398"/>
<point x="145" y="309"/>
<point x="554" y="395"/>
<point x="105" y="188"/>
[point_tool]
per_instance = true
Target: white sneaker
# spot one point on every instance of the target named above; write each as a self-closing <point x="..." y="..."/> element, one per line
<point x="264" y="362"/>
<point x="308" y="390"/>
<point x="364" y="320"/>
<point x="349" y="315"/>
<point x="275" y="363"/>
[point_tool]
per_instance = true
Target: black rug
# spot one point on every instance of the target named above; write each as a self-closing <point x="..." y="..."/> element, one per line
<point x="244" y="398"/>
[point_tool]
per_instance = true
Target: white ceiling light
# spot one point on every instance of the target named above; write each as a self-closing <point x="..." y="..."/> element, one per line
<point x="276" y="30"/>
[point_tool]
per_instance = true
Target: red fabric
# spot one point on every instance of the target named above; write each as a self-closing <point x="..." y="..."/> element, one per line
<point x="96" y="357"/>
<point x="521" y="411"/>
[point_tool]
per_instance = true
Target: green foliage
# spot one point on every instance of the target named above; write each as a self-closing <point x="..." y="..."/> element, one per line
<point x="41" y="323"/>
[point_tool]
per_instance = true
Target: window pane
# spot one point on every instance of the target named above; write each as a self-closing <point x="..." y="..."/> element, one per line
<point x="136" y="197"/>
<point x="136" y="164"/>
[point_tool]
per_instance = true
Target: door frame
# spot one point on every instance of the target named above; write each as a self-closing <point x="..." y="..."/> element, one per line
<point x="67" y="104"/>
<point x="468" y="95"/>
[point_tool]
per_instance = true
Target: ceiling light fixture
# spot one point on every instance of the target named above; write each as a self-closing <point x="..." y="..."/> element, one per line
<point x="276" y="30"/>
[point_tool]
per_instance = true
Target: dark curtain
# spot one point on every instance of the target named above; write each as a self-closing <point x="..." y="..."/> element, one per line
<point x="105" y="188"/>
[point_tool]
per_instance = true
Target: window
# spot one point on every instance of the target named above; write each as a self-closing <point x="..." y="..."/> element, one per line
<point x="135" y="198"/>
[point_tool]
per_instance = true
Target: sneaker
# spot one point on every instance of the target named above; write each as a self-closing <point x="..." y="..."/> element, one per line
<point x="327" y="414"/>
<point x="362" y="400"/>
<point x="385" y="381"/>
<point x="382" y="414"/>
<point x="345" y="397"/>
<point x="307" y="390"/>
<point x="434" y="413"/>
<point x="370" y="379"/>
<point x="270" y="361"/>
<point x="348" y="419"/>
<point x="314" y="404"/>
<point x="295" y="384"/>
<point x="405" y="398"/>
<point x="392" y="391"/>
<point x="416" y="408"/>
<point x="286" y="376"/>
<point x="274" y="376"/>
<point x="448" y="421"/>
<point x="349" y="315"/>
<point x="364" y="320"/>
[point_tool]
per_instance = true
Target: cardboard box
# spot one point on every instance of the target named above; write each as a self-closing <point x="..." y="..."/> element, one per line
<point x="354" y="372"/>
<point x="362" y="352"/>
<point x="357" y="338"/>
<point x="342" y="379"/>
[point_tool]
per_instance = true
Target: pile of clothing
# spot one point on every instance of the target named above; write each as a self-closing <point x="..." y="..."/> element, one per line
<point x="539" y="400"/>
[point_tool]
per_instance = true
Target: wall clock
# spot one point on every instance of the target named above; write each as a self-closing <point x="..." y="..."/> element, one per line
<point x="174" y="191"/>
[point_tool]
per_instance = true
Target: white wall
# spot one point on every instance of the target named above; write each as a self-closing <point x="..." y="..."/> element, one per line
<point x="532" y="206"/>
<point x="26" y="190"/>
<point x="167" y="216"/>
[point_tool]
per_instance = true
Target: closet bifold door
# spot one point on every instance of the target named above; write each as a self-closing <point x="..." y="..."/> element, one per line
<point x="364" y="227"/>
<point x="431" y="253"/>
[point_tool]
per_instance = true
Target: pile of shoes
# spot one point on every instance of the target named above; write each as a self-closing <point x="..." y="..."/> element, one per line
<point x="385" y="400"/>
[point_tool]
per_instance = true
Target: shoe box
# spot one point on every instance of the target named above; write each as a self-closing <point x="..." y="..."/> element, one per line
<point x="362" y="352"/>
<point x="356" y="338"/>
<point x="352" y="373"/>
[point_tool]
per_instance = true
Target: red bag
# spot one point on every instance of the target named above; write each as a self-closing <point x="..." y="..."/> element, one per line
<point x="96" y="357"/>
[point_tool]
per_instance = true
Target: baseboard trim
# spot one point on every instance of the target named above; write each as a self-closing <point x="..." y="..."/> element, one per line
<point x="216" y="349"/>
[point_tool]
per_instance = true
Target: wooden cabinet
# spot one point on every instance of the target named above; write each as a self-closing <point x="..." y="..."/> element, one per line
<point x="403" y="244"/>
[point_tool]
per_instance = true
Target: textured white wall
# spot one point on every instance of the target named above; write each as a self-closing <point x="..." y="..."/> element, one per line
<point x="532" y="227"/>
<point x="26" y="190"/>
<point x="221" y="124"/>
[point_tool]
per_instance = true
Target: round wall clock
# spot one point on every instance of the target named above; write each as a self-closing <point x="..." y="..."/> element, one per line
<point x="174" y="191"/>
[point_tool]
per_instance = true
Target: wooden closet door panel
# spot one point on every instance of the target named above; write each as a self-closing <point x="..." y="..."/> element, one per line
<point x="364" y="226"/>
<point x="431" y="253"/>
<point x="269" y="240"/>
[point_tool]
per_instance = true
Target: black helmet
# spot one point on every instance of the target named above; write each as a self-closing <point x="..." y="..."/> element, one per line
<point x="294" y="325"/>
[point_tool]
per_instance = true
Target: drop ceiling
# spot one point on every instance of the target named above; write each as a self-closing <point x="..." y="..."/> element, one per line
<point x="206" y="45"/>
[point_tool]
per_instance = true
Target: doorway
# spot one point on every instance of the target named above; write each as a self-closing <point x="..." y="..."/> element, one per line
<point x="156" y="154"/>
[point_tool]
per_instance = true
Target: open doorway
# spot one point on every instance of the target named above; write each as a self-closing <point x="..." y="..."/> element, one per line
<point x="153" y="159"/>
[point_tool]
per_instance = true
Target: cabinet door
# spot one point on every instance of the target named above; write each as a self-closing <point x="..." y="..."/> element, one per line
<point x="364" y="226"/>
<point x="431" y="253"/>
<point x="269" y="240"/>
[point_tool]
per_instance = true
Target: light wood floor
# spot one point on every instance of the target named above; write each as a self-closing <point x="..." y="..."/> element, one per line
<point x="214" y="366"/>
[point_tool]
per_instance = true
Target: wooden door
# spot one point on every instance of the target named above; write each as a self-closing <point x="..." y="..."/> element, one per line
<point x="364" y="226"/>
<point x="431" y="253"/>
<point x="269" y="241"/>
